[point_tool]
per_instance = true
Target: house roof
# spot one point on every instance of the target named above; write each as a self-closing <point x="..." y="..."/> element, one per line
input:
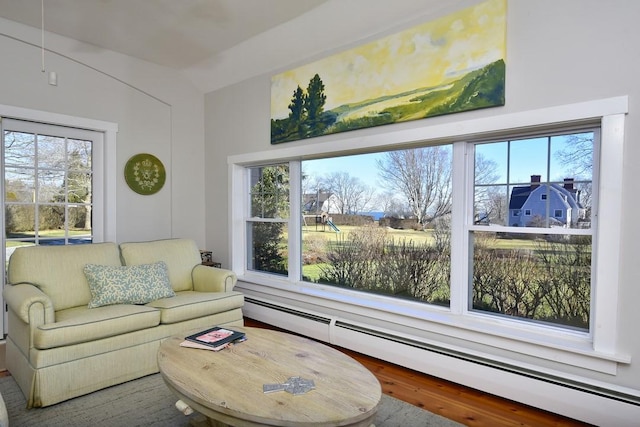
<point x="519" y="195"/>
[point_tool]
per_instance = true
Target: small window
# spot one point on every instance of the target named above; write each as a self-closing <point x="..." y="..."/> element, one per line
<point x="49" y="188"/>
<point x="541" y="277"/>
<point x="268" y="218"/>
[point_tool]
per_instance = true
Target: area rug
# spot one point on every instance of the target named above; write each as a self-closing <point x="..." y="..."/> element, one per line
<point x="148" y="402"/>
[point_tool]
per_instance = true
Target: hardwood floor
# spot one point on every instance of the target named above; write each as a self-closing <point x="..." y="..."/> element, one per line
<point x="464" y="405"/>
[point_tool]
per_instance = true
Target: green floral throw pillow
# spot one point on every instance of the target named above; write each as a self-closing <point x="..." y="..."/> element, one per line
<point x="134" y="284"/>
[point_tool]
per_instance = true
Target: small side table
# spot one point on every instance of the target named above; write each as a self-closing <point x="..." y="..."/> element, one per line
<point x="212" y="264"/>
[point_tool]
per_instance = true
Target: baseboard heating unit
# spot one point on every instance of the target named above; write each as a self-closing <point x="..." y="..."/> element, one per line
<point x="581" y="400"/>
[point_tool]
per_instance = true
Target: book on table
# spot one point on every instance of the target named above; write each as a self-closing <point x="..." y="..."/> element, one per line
<point x="192" y="344"/>
<point x="216" y="337"/>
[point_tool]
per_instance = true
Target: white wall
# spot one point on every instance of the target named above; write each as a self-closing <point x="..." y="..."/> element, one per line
<point x="157" y="111"/>
<point x="558" y="53"/>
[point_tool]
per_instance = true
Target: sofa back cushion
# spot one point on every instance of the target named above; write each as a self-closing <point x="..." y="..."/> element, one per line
<point x="180" y="255"/>
<point x="58" y="271"/>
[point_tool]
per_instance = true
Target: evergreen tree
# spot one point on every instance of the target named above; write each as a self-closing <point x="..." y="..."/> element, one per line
<point x="314" y="106"/>
<point x="297" y="114"/>
<point x="270" y="199"/>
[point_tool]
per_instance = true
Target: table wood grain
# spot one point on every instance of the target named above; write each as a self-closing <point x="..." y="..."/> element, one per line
<point x="226" y="386"/>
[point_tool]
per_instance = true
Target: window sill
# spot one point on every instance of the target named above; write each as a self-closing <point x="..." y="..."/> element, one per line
<point x="472" y="331"/>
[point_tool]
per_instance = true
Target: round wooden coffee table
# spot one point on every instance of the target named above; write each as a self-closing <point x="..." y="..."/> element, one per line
<point x="227" y="386"/>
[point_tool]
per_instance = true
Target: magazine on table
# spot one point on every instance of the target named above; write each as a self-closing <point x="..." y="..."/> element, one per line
<point x="216" y="337"/>
<point x="192" y="344"/>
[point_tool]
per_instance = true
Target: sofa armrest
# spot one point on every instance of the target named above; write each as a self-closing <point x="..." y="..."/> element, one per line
<point x="212" y="279"/>
<point x="23" y="297"/>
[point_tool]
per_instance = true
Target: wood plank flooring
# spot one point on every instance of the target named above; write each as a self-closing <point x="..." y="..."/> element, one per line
<point x="464" y="405"/>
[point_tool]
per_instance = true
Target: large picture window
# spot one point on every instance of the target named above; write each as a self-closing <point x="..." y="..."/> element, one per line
<point x="494" y="230"/>
<point x="380" y="223"/>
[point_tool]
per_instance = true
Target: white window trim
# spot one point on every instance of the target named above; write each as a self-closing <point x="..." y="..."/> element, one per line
<point x="596" y="351"/>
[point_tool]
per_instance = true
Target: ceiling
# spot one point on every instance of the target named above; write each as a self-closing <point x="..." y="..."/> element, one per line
<point x="173" y="33"/>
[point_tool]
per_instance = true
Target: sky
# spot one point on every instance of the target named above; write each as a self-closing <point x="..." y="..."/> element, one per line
<point x="362" y="166"/>
<point x="427" y="55"/>
<point x="527" y="157"/>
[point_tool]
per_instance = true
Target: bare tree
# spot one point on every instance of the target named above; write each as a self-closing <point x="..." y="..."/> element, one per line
<point x="579" y="154"/>
<point x="489" y="200"/>
<point x="423" y="177"/>
<point x="353" y="196"/>
<point x="391" y="204"/>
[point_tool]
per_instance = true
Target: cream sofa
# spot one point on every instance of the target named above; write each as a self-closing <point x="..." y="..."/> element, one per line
<point x="59" y="348"/>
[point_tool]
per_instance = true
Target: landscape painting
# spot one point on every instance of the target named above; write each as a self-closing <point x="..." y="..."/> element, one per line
<point x="453" y="64"/>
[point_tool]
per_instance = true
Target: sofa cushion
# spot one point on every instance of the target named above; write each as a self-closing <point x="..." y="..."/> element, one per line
<point x="136" y="284"/>
<point x="82" y="324"/>
<point x="180" y="255"/>
<point x="58" y="270"/>
<point x="188" y="305"/>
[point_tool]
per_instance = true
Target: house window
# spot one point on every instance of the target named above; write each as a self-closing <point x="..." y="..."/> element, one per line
<point x="545" y="274"/>
<point x="388" y="230"/>
<point x="268" y="213"/>
<point x="490" y="179"/>
<point x="527" y="212"/>
<point x="393" y="238"/>
<point x="48" y="184"/>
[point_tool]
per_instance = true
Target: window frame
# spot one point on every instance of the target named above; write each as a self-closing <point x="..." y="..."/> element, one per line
<point x="596" y="350"/>
<point x="104" y="164"/>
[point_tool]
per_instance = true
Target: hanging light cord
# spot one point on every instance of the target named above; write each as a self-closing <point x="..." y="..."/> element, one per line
<point x="42" y="36"/>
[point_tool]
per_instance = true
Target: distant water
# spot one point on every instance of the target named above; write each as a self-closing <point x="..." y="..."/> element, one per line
<point x="375" y="214"/>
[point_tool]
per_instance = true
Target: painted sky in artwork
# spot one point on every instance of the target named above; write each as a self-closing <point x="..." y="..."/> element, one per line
<point x="426" y="55"/>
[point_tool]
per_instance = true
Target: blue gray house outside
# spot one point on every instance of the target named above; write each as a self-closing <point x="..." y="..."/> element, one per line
<point x="532" y="205"/>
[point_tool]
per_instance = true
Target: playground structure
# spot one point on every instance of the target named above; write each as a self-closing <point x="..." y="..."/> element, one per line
<point x="321" y="220"/>
<point x="333" y="226"/>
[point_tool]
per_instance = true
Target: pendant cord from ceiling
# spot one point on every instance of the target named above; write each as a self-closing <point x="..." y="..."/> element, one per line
<point x="42" y="34"/>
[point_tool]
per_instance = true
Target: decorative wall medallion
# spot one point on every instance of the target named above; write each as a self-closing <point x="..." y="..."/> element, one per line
<point x="145" y="174"/>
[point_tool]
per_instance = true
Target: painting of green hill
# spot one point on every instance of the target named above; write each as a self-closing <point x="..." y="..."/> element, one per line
<point x="478" y="89"/>
<point x="450" y="65"/>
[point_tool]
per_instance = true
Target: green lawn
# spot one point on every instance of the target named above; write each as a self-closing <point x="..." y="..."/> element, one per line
<point x="417" y="236"/>
<point x="328" y="234"/>
<point x="311" y="237"/>
<point x="42" y="233"/>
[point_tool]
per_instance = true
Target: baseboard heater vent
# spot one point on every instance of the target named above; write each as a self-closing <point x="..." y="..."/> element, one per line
<point x="576" y="385"/>
<point x="308" y="316"/>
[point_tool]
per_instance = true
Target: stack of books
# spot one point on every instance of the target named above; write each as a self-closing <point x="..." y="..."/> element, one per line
<point x="214" y="339"/>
